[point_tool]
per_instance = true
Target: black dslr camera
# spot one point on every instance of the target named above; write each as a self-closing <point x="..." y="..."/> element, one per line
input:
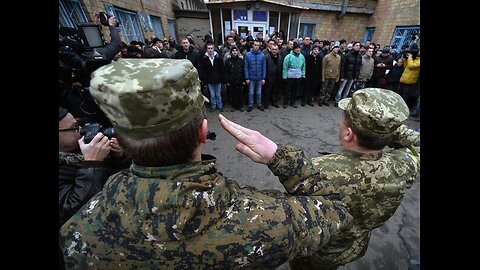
<point x="91" y="129"/>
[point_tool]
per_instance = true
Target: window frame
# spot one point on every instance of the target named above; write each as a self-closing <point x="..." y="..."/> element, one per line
<point x="402" y="35"/>
<point x="301" y="33"/>
<point x="369" y="32"/>
<point x="129" y="23"/>
<point x="68" y="13"/>
<point x="153" y="28"/>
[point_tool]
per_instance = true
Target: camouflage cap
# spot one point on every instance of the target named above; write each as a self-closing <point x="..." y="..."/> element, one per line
<point x="375" y="111"/>
<point x="147" y="97"/>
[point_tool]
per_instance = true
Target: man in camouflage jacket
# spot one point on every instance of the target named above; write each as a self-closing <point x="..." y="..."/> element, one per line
<point x="371" y="182"/>
<point x="172" y="209"/>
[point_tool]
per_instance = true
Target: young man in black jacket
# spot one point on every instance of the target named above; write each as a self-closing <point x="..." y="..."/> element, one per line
<point x="234" y="77"/>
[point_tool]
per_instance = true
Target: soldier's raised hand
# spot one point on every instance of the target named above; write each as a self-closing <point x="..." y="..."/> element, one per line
<point x="252" y="143"/>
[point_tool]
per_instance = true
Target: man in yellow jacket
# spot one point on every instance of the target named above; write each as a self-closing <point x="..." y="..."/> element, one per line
<point x="408" y="87"/>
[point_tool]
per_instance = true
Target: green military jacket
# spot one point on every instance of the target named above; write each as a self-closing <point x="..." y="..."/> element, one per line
<point x="373" y="187"/>
<point x="190" y="216"/>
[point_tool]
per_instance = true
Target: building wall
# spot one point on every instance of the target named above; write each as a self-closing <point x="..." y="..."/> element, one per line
<point x="350" y="27"/>
<point x="351" y="3"/>
<point x="390" y="14"/>
<point x="197" y="27"/>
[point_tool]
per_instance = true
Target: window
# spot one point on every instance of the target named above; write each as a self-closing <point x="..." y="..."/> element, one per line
<point x="403" y="35"/>
<point x="307" y="29"/>
<point x="71" y="12"/>
<point x="368" y="34"/>
<point x="129" y="23"/>
<point x="171" y="29"/>
<point x="240" y="15"/>
<point x="141" y="15"/>
<point x="156" y="26"/>
<point x="259" y="16"/>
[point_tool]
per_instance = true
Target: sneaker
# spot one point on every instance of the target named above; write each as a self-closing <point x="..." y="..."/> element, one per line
<point x="220" y="110"/>
<point x="261" y="108"/>
<point x="275" y="105"/>
<point x="212" y="109"/>
<point x="249" y="109"/>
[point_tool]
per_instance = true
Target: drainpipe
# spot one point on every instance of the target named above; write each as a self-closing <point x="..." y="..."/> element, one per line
<point x="344" y="10"/>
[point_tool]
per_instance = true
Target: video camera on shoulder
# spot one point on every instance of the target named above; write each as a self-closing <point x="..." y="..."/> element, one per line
<point x="91" y="35"/>
<point x="90" y="130"/>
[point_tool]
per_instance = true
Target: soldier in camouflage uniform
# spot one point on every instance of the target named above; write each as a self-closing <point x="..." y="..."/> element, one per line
<point x="172" y="209"/>
<point x="372" y="182"/>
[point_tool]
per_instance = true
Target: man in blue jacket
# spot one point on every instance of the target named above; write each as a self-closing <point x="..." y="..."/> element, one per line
<point x="255" y="74"/>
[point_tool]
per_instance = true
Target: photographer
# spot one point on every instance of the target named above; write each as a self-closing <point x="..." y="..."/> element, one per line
<point x="83" y="173"/>
<point x="408" y="87"/>
<point x="77" y="62"/>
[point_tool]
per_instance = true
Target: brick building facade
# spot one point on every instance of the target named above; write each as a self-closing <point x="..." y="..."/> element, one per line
<point x="353" y="20"/>
<point x="382" y="21"/>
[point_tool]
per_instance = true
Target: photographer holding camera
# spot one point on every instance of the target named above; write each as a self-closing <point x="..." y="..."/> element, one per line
<point x="77" y="60"/>
<point x="84" y="166"/>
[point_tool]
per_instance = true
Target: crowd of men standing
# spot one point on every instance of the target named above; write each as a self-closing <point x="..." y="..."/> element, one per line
<point x="248" y="70"/>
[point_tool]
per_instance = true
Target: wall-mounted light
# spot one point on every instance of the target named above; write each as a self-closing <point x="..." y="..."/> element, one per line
<point x="249" y="5"/>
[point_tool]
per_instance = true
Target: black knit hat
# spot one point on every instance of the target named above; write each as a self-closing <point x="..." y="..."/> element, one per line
<point x="207" y="37"/>
<point x="61" y="113"/>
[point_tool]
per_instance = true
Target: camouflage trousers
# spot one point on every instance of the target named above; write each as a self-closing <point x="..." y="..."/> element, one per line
<point x="332" y="259"/>
<point x="326" y="90"/>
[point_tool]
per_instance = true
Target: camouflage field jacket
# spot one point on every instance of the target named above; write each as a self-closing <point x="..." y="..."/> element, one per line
<point x="190" y="216"/>
<point x="373" y="187"/>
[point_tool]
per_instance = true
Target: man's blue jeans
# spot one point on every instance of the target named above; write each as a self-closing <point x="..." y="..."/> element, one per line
<point x="215" y="95"/>
<point x="257" y="86"/>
